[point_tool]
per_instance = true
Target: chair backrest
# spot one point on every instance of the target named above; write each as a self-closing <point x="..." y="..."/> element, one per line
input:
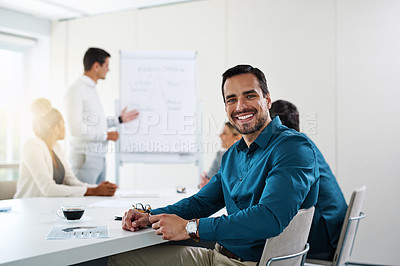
<point x="349" y="228"/>
<point x="292" y="240"/>
<point x="7" y="189"/>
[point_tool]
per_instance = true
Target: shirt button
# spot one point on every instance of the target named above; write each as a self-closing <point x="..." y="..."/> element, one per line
<point x="248" y="155"/>
<point x="240" y="179"/>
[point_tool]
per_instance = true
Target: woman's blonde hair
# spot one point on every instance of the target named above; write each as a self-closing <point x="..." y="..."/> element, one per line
<point x="234" y="131"/>
<point x="45" y="117"/>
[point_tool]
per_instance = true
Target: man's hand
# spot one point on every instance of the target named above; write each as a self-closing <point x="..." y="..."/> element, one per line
<point x="204" y="179"/>
<point x="112" y="135"/>
<point x="170" y="226"/>
<point x="134" y="220"/>
<point x="129" y="116"/>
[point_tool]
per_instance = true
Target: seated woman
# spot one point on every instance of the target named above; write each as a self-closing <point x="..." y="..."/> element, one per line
<point x="228" y="136"/>
<point x="43" y="169"/>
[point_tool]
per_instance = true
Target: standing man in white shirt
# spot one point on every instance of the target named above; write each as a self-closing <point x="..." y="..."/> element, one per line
<point x="86" y="120"/>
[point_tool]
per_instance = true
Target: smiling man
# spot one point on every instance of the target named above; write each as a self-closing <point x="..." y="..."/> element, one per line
<point x="247" y="102"/>
<point x="264" y="179"/>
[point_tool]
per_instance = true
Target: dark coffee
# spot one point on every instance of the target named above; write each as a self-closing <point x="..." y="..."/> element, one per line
<point x="73" y="214"/>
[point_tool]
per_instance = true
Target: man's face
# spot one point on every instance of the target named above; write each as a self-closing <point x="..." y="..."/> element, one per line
<point x="103" y="69"/>
<point x="245" y="105"/>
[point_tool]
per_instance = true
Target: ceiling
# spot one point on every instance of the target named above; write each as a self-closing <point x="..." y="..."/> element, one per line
<point x="70" y="9"/>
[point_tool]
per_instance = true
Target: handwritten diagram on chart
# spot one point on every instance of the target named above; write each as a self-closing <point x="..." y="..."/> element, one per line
<point x="162" y="86"/>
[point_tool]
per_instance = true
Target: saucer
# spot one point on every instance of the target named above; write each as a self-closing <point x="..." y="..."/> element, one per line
<point x="82" y="220"/>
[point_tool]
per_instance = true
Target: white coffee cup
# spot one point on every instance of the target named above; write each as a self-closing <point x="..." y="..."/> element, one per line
<point x="71" y="212"/>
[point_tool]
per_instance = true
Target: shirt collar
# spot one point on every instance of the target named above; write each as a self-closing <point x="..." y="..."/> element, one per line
<point x="263" y="139"/>
<point x="88" y="81"/>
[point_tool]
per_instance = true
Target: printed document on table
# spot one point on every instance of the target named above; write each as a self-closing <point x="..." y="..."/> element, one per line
<point x="78" y="232"/>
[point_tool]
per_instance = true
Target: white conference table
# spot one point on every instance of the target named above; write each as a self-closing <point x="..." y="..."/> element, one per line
<point x="23" y="230"/>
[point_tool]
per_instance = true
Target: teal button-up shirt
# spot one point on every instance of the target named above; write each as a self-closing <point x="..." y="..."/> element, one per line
<point x="329" y="214"/>
<point x="262" y="186"/>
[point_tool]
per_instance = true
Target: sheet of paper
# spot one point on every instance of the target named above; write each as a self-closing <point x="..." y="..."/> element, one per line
<point x="78" y="232"/>
<point x="135" y="194"/>
<point x="113" y="203"/>
<point x="126" y="204"/>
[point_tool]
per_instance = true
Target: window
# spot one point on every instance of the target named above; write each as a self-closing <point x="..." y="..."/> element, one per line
<point x="11" y="101"/>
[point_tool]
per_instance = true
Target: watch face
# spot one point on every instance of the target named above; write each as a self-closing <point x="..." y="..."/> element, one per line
<point x="191" y="227"/>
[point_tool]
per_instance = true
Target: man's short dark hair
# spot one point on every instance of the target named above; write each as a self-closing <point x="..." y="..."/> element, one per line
<point x="94" y="55"/>
<point x="245" y="69"/>
<point x="287" y="112"/>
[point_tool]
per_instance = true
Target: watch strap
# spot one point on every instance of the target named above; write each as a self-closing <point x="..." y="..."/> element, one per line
<point x="194" y="235"/>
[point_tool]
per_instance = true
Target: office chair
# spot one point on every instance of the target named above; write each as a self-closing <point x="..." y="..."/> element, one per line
<point x="290" y="247"/>
<point x="348" y="233"/>
<point x="7" y="189"/>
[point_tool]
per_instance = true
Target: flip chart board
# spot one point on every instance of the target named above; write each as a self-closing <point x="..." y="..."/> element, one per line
<point x="161" y="85"/>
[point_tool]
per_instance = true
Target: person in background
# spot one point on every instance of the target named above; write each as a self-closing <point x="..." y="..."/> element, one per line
<point x="228" y="136"/>
<point x="86" y="120"/>
<point x="331" y="206"/>
<point x="263" y="181"/>
<point x="43" y="169"/>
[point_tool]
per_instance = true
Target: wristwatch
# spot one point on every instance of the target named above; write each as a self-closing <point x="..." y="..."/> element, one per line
<point x="191" y="229"/>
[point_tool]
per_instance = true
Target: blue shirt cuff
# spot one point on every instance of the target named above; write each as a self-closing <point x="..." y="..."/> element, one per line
<point x="206" y="231"/>
<point x="156" y="211"/>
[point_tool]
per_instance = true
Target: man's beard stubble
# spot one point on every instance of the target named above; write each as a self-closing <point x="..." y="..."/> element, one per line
<point x="260" y="122"/>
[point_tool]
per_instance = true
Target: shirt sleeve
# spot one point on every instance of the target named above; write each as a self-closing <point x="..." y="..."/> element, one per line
<point x="74" y="101"/>
<point x="206" y="202"/>
<point x="34" y="158"/>
<point x="293" y="173"/>
<point x="71" y="180"/>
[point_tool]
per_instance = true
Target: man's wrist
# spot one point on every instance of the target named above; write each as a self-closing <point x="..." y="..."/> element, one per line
<point x="192" y="229"/>
<point x="197" y="232"/>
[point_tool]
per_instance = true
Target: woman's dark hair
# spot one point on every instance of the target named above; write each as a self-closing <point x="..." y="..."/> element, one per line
<point x="45" y="117"/>
<point x="287" y="112"/>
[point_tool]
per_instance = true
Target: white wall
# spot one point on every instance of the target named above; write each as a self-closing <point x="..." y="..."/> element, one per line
<point x="337" y="59"/>
<point x="368" y="82"/>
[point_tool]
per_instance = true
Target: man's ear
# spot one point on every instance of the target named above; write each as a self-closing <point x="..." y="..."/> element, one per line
<point x="269" y="101"/>
<point x="96" y="66"/>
